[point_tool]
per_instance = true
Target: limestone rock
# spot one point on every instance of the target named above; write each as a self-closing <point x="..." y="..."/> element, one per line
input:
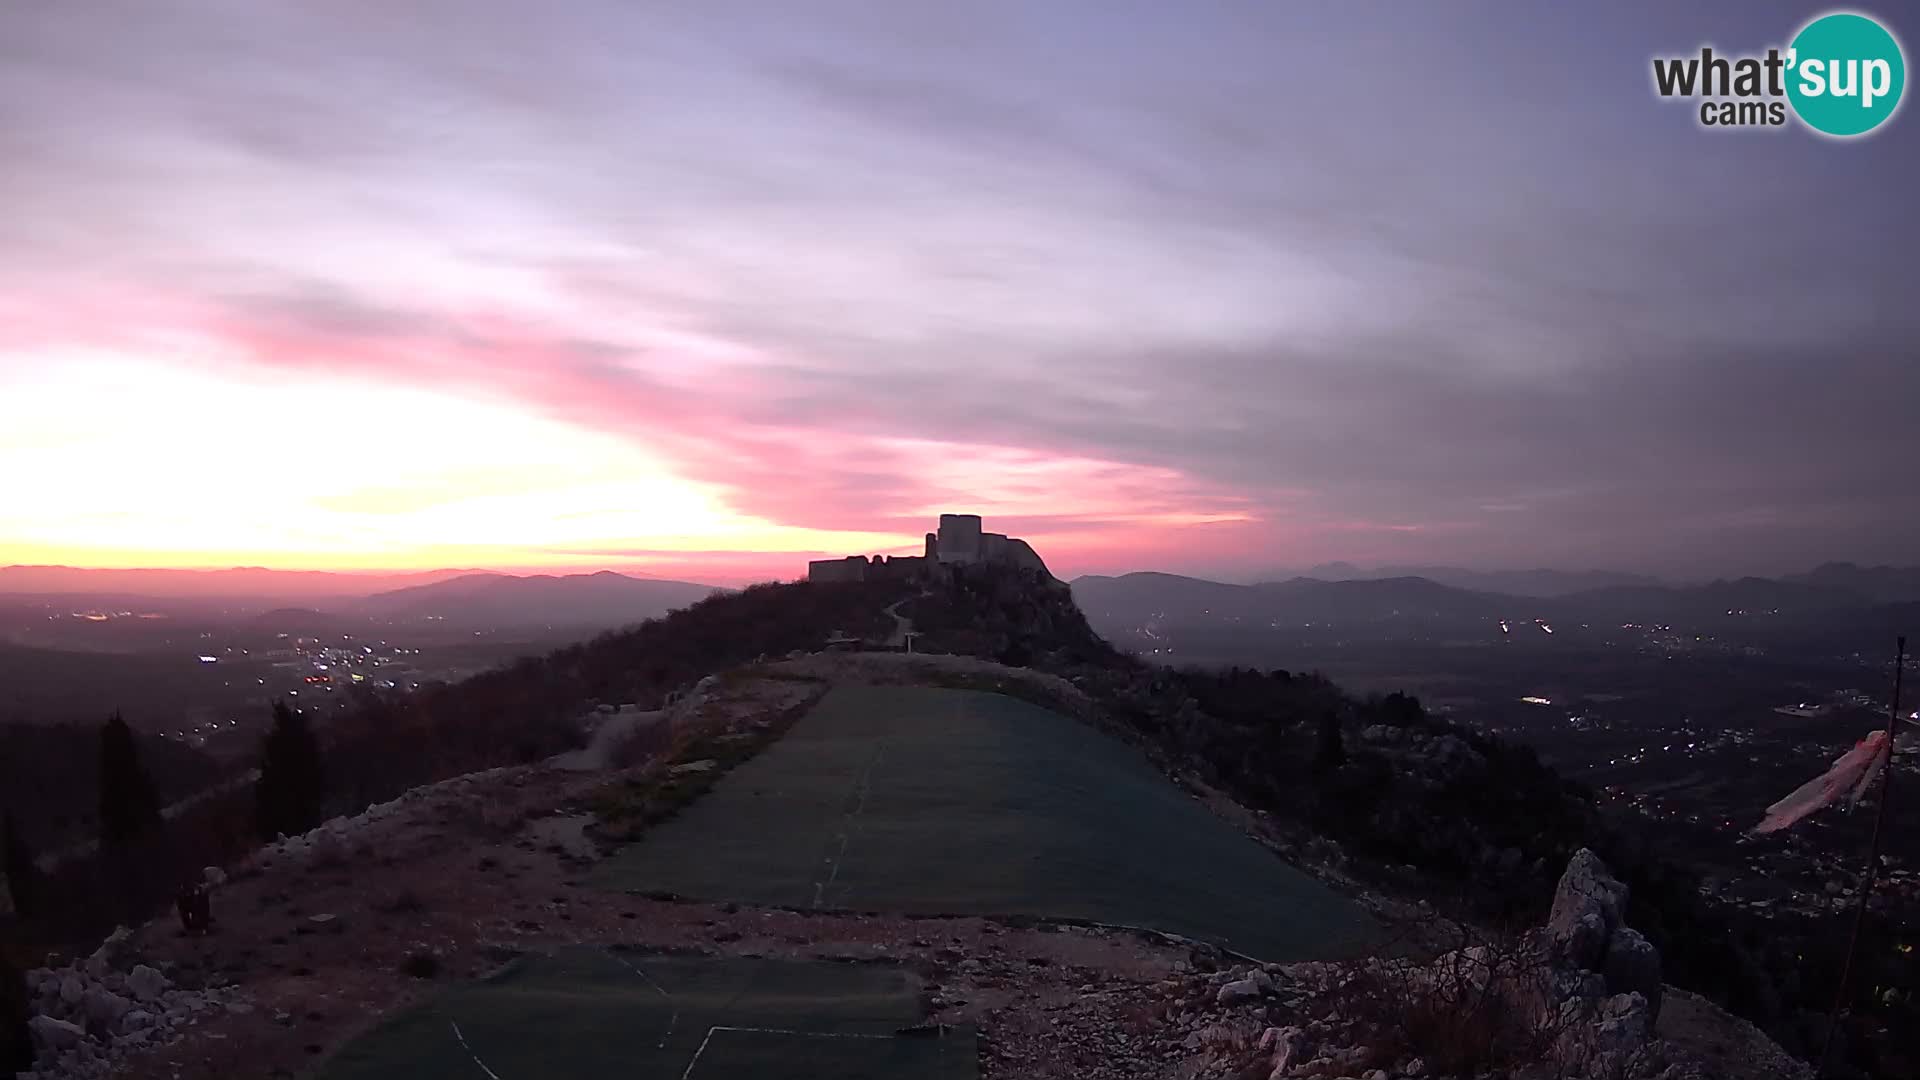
<point x="55" y="1034"/>
<point x="105" y="1008"/>
<point x="1632" y="966"/>
<point x="1247" y="989"/>
<point x="147" y="984"/>
<point x="1289" y="1048"/>
<point x="1624" y="1025"/>
<point x="1588" y="906"/>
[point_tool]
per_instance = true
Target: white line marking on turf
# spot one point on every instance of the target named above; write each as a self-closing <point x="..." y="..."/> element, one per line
<point x="808" y="1034"/>
<point x="770" y="1031"/>
<point x="697" y="1053"/>
<point x="674" y="1020"/>
<point x="469" y="1050"/>
<point x="846" y="824"/>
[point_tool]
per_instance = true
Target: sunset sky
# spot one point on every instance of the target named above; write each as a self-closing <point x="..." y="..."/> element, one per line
<point x="700" y="289"/>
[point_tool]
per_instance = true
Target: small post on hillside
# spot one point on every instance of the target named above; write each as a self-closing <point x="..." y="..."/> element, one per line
<point x="1873" y="857"/>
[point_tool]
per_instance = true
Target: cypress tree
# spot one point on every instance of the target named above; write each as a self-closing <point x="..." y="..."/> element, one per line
<point x="291" y="791"/>
<point x="129" y="805"/>
<point x="23" y="874"/>
<point x="1330" y="752"/>
<point x="16" y="1042"/>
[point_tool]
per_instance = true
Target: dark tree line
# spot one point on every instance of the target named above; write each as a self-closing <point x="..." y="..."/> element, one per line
<point x="386" y="745"/>
<point x="143" y="858"/>
<point x="18" y="862"/>
<point x="290" y="795"/>
<point x="16" y="1042"/>
<point x="129" y="805"/>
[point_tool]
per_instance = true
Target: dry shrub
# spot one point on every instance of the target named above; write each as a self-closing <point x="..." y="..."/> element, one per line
<point x="1472" y="1010"/>
<point x="498" y="819"/>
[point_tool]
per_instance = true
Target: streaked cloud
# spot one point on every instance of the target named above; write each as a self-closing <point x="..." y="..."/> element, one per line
<point x="381" y="284"/>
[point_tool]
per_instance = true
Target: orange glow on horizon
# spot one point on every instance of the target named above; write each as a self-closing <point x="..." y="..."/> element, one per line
<point x="172" y="461"/>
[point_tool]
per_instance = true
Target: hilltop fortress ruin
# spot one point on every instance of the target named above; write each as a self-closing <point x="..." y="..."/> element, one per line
<point x="959" y="542"/>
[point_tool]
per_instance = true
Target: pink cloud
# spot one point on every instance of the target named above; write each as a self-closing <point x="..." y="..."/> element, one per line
<point x="846" y="467"/>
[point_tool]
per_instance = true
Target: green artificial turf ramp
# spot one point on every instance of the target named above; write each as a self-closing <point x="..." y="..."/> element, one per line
<point x="929" y="801"/>
<point x="587" y="1012"/>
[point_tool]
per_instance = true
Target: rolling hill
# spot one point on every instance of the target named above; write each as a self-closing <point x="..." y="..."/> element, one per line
<point x="241" y="582"/>
<point x="1539" y="582"/>
<point x="1136" y="598"/>
<point x="604" y="599"/>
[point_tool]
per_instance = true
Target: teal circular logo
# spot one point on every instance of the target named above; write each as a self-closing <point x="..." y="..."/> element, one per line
<point x="1845" y="74"/>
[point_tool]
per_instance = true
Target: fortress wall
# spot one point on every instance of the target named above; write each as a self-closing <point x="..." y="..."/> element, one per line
<point x="959" y="537"/>
<point x="851" y="568"/>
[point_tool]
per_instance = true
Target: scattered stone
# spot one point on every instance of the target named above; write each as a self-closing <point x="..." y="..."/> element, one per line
<point x="1288" y="1049"/>
<point x="55" y="1034"/>
<point x="147" y="984"/>
<point x="105" y="1008"/>
<point x="1238" y="990"/>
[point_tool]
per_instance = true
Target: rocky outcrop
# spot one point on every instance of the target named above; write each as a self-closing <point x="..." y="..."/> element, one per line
<point x="1588" y="906"/>
<point x="1576" y="998"/>
<point x="1586" y="932"/>
<point x="95" y="1009"/>
<point x="1632" y="965"/>
<point x="334" y="839"/>
<point x="1604" y="988"/>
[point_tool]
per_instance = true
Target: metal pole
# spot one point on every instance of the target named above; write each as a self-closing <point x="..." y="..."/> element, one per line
<point x="1873" y="858"/>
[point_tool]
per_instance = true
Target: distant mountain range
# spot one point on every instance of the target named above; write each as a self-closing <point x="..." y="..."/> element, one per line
<point x="1873" y="600"/>
<point x="238" y="583"/>
<point x="1332" y="593"/>
<point x="1135" y="598"/>
<point x="1886" y="584"/>
<point x="1540" y="582"/>
<point x="601" y="599"/>
<point x="330" y="601"/>
<point x="1881" y="584"/>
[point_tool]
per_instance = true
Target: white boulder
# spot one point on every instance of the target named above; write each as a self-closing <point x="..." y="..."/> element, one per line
<point x="56" y="1035"/>
<point x="147" y="984"/>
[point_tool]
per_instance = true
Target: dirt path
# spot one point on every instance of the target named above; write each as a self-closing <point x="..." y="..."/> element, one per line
<point x="902" y="626"/>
